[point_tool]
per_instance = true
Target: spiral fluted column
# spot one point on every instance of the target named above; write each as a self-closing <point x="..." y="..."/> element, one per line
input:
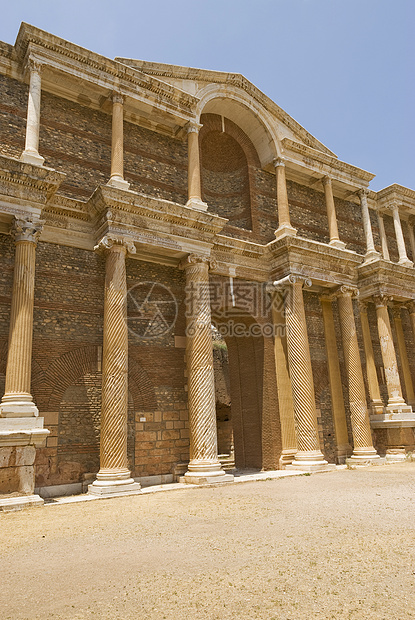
<point x="204" y="465"/>
<point x="284" y="223"/>
<point x="114" y="475"/>
<point x="193" y="172"/>
<point x="396" y="403"/>
<point x="308" y="456"/>
<point x="30" y="154"/>
<point x="285" y="396"/>
<point x="17" y="400"/>
<point x="372" y="378"/>
<point x="363" y="449"/>
<point x="343" y="448"/>
<point x="117" y="143"/>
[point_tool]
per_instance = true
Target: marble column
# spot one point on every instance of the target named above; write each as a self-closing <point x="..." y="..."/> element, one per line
<point x="343" y="448"/>
<point x="308" y="456"/>
<point x="371" y="253"/>
<point x="21" y="427"/>
<point x="17" y="400"/>
<point x="363" y="450"/>
<point x="114" y="477"/>
<point x="117" y="143"/>
<point x="372" y="377"/>
<point x="384" y="242"/>
<point x="331" y="214"/>
<point x="194" y="181"/>
<point x="284" y="389"/>
<point x="30" y="154"/>
<point x="396" y="403"/>
<point x="284" y="223"/>
<point x="204" y="466"/>
<point x="403" y="257"/>
<point x="406" y="371"/>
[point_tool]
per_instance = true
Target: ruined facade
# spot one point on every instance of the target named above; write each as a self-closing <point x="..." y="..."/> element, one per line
<point x="139" y="204"/>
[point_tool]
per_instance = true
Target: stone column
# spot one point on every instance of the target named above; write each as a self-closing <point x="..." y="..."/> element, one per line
<point x="114" y="475"/>
<point x="30" y="154"/>
<point x="372" y="378"/>
<point x="363" y="450"/>
<point x="194" y="183"/>
<point x="331" y="215"/>
<point x="406" y="371"/>
<point x="396" y="403"/>
<point x="17" y="400"/>
<point x="204" y="465"/>
<point x="411" y="236"/>
<point x="403" y="257"/>
<point x="21" y="427"/>
<point x="385" y="249"/>
<point x="343" y="448"/>
<point x="411" y="310"/>
<point x="371" y="253"/>
<point x="284" y="223"/>
<point x="117" y="143"/>
<point x="284" y="389"/>
<point x="309" y="456"/>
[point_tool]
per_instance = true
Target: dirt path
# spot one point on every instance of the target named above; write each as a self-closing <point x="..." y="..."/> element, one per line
<point x="335" y="545"/>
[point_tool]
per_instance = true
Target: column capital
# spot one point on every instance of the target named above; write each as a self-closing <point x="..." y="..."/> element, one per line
<point x="346" y="290"/>
<point x="290" y="279"/>
<point x="110" y="241"/>
<point x="410" y="305"/>
<point x="27" y="230"/>
<point x="193" y="126"/>
<point x="278" y="161"/>
<point x="382" y="300"/>
<point x="396" y="311"/>
<point x="326" y="180"/>
<point x="34" y="65"/>
<point x="117" y="97"/>
<point x="195" y="259"/>
<point x="363" y="193"/>
<point x="362" y="305"/>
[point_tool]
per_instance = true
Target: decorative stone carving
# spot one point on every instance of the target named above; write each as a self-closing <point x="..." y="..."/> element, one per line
<point x="27" y="230"/>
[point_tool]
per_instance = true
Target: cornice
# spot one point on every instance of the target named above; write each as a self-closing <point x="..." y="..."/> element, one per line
<point x="20" y="180"/>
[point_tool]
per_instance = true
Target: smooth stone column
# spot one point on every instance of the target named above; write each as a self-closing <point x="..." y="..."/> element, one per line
<point x="308" y="456"/>
<point x="117" y="143"/>
<point x="331" y="215"/>
<point x="284" y="223"/>
<point x="363" y="450"/>
<point x="385" y="249"/>
<point x="407" y="377"/>
<point x="204" y="466"/>
<point x="411" y="236"/>
<point x="284" y="389"/>
<point x="114" y="477"/>
<point x="343" y="448"/>
<point x="403" y="257"/>
<point x="30" y="154"/>
<point x="194" y="184"/>
<point x="371" y="253"/>
<point x="396" y="403"/>
<point x="372" y="378"/>
<point x="411" y="310"/>
<point x="17" y="400"/>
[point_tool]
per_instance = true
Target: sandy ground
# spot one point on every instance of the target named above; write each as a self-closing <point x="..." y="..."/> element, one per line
<point x="333" y="545"/>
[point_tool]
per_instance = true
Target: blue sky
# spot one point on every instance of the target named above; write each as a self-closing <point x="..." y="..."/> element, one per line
<point x="344" y="69"/>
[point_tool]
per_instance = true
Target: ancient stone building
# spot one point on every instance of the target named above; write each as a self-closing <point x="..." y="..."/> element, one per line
<point x="139" y="204"/>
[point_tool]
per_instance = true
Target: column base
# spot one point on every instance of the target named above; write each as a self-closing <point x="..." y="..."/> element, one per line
<point x="398" y="408"/>
<point x="18" y="502"/>
<point x="196" y="203"/>
<point x="376" y="407"/>
<point x="406" y="262"/>
<point x="205" y="472"/>
<point x="23" y="431"/>
<point x="336" y="243"/>
<point x="32" y="157"/>
<point x="310" y="461"/>
<point x="112" y="482"/>
<point x="361" y="461"/>
<point x="395" y="455"/>
<point x="18" y="407"/>
<point x="286" y="458"/>
<point x="118" y="182"/>
<point x="284" y="231"/>
<point x="343" y="453"/>
<point x="371" y="256"/>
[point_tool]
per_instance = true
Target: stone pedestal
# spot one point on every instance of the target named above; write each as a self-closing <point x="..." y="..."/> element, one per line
<point x="114" y="477"/>
<point x="204" y="466"/>
<point x="395" y="435"/>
